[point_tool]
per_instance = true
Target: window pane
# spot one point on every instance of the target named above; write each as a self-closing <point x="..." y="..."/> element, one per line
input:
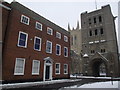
<point x="37" y="40"/>
<point x="22" y="36"/>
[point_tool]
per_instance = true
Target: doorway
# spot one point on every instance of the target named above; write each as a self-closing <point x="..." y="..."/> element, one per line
<point x="47" y="73"/>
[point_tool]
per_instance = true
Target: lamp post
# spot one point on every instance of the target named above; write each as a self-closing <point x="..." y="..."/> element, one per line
<point x="111" y="77"/>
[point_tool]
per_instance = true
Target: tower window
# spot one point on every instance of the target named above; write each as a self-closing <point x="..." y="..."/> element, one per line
<point x="94" y="19"/>
<point x="100" y="19"/>
<point x="89" y="21"/>
<point x="90" y="33"/>
<point x="96" y="32"/>
<point x="101" y="31"/>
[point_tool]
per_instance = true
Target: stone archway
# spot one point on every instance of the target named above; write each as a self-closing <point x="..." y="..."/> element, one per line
<point x="97" y="66"/>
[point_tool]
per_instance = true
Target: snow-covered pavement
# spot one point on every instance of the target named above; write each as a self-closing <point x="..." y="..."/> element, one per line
<point x="91" y="77"/>
<point x="27" y="84"/>
<point x="98" y="85"/>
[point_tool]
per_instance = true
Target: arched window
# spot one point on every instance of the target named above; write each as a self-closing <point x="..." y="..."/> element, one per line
<point x="100" y="19"/>
<point x="90" y="33"/>
<point x="101" y="31"/>
<point x="96" y="32"/>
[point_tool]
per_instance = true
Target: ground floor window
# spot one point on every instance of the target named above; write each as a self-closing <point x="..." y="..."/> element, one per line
<point x="57" y="68"/>
<point x="35" y="67"/>
<point x="19" y="66"/>
<point x="65" y="68"/>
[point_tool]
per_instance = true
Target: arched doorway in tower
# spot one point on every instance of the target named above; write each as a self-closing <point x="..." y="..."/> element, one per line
<point x="99" y="68"/>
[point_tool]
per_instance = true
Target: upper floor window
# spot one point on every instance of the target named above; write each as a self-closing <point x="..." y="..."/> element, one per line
<point x="22" y="39"/>
<point x="65" y="38"/>
<point x="58" y="35"/>
<point x="65" y="51"/>
<point x="100" y="19"/>
<point x="49" y="47"/>
<point x="94" y="19"/>
<point x="37" y="43"/>
<point x="103" y="50"/>
<point x="58" y="49"/>
<point x="38" y="26"/>
<point x="90" y="33"/>
<point x="89" y="20"/>
<point x="25" y="19"/>
<point x="96" y="32"/>
<point x="101" y="31"/>
<point x="19" y="66"/>
<point x="92" y="51"/>
<point x="35" y="67"/>
<point x="57" y="68"/>
<point x="65" y="68"/>
<point x="49" y="31"/>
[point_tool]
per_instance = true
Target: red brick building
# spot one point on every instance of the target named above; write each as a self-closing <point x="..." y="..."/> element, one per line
<point x="34" y="48"/>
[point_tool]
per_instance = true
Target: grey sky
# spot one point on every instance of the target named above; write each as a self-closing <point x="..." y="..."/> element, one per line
<point x="63" y="13"/>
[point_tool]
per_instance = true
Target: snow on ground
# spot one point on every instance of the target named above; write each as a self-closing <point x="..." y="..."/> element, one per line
<point x="98" y="85"/>
<point x="89" y="77"/>
<point x="25" y="84"/>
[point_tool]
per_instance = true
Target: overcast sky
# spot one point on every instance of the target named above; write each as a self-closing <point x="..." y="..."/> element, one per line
<point x="62" y="12"/>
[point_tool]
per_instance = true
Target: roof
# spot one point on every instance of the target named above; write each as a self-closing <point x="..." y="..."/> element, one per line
<point x="37" y="17"/>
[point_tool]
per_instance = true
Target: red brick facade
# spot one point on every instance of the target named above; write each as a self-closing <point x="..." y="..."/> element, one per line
<point x="13" y="51"/>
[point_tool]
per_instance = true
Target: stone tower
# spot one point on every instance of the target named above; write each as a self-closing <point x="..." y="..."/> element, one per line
<point x="99" y="43"/>
<point x="76" y="47"/>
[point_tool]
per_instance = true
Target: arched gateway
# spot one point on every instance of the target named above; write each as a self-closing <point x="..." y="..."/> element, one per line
<point x="98" y="67"/>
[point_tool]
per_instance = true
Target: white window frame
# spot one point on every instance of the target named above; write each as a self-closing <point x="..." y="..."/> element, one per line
<point x="65" y="38"/>
<point x="50" y="47"/>
<point x="66" y="69"/>
<point x="48" y="28"/>
<point x="38" y="67"/>
<point x="59" y="49"/>
<point x="15" y="72"/>
<point x="25" y="41"/>
<point x="67" y="51"/>
<point x="40" y="43"/>
<point x="57" y="68"/>
<point x="37" y="27"/>
<point x="25" y="17"/>
<point x="59" y="35"/>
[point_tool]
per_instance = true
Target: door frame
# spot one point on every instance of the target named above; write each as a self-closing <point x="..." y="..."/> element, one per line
<point x="47" y="62"/>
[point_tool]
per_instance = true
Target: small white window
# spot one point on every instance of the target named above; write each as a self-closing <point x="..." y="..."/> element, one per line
<point x="65" y="51"/>
<point x="19" y="66"/>
<point x="58" y="49"/>
<point x="25" y="19"/>
<point x="35" y="67"/>
<point x="38" y="26"/>
<point x="37" y="43"/>
<point x="49" y="31"/>
<point x="22" y="39"/>
<point x="48" y="47"/>
<point x="58" y="35"/>
<point x="57" y="68"/>
<point x="65" y="38"/>
<point x="65" y="68"/>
